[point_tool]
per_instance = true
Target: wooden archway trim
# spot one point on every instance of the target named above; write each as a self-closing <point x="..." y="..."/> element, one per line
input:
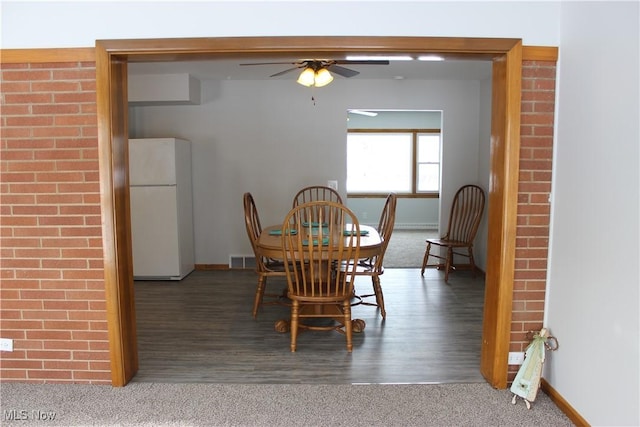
<point x="111" y="60"/>
<point x="87" y="54"/>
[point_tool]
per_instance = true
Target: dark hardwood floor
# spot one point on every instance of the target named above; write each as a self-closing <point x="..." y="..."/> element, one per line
<point x="201" y="330"/>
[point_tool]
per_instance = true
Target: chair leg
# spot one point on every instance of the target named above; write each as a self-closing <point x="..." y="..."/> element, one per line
<point x="426" y="258"/>
<point x="472" y="262"/>
<point x="257" y="301"/>
<point x="295" y="313"/>
<point x="447" y="266"/>
<point x="348" y="327"/>
<point x="377" y="289"/>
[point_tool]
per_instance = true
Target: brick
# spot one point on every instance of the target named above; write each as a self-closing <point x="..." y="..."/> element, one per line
<point x="13" y="374"/>
<point x="28" y="98"/>
<point x="90" y="335"/>
<point x="90" y="355"/>
<point x="60" y="176"/>
<point x="65" y="305"/>
<point x="76" y="97"/>
<point x="64" y="263"/>
<point x="66" y="365"/>
<point x="96" y="377"/>
<point x="56" y="109"/>
<point x="49" y="335"/>
<point x="21" y="364"/>
<point x="75" y="74"/>
<point x="37" y="274"/>
<point x="49" y="374"/>
<point x="66" y="324"/>
<point x="55" y="86"/>
<point x="66" y="345"/>
<point x="56" y="131"/>
<point x="86" y="295"/>
<point x="8" y="86"/>
<point x="26" y="75"/>
<point x="44" y="314"/>
<point x="79" y="120"/>
<point x="29" y="121"/>
<point x="18" y="177"/>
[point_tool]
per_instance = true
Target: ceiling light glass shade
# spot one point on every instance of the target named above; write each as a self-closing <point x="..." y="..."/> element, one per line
<point x="323" y="77"/>
<point x="430" y="58"/>
<point x="307" y="77"/>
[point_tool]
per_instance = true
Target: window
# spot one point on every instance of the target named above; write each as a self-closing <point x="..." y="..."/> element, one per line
<point x="404" y="162"/>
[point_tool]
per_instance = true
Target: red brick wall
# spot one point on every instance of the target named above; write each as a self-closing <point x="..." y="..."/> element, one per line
<point x="52" y="290"/>
<point x="52" y="280"/>
<point x="534" y="189"/>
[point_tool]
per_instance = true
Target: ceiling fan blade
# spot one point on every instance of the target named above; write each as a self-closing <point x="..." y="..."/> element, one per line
<point x="284" y="72"/>
<point x="342" y="71"/>
<point x="362" y="62"/>
<point x="271" y="63"/>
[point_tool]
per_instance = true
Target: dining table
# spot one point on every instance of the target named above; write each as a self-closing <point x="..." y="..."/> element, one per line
<point x="270" y="246"/>
<point x="270" y="242"/>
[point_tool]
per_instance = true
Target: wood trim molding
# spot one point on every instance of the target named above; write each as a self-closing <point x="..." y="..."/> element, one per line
<point x="88" y="54"/>
<point x="38" y="56"/>
<point x="502" y="197"/>
<point x="539" y="53"/>
<point x="211" y="267"/>
<point x="111" y="94"/>
<point x="563" y="405"/>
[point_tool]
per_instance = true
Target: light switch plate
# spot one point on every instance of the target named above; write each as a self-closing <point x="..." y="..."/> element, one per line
<point x="332" y="184"/>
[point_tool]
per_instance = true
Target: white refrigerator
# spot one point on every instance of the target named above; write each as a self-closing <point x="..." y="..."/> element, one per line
<point x="161" y="208"/>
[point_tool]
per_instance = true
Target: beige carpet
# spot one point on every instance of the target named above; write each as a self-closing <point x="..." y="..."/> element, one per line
<point x="301" y="405"/>
<point x="406" y="248"/>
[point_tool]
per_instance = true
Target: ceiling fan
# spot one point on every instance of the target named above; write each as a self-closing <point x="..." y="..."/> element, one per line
<point x="317" y="72"/>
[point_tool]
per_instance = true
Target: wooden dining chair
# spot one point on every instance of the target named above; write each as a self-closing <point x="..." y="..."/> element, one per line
<point x="265" y="267"/>
<point x="316" y="193"/>
<point x="373" y="267"/>
<point x="316" y="287"/>
<point x="464" y="219"/>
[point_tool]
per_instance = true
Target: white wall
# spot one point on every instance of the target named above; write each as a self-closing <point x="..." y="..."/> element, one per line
<point x="536" y="23"/>
<point x="594" y="279"/>
<point x="268" y="137"/>
<point x="484" y="170"/>
<point x="593" y="297"/>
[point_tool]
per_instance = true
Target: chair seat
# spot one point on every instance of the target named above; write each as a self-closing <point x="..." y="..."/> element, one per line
<point x="446" y="242"/>
<point x="319" y="300"/>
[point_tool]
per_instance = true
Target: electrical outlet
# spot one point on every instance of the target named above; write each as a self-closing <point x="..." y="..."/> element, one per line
<point x="332" y="184"/>
<point x="516" y="357"/>
<point x="6" y="344"/>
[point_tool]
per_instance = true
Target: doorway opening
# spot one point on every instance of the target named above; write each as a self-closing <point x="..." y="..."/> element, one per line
<point x="111" y="66"/>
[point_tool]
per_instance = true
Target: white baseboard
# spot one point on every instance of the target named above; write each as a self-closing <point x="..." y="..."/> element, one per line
<point x="415" y="226"/>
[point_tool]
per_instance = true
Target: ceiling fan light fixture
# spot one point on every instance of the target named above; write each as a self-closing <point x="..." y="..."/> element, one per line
<point x="430" y="58"/>
<point x="322" y="77"/>
<point x="307" y="77"/>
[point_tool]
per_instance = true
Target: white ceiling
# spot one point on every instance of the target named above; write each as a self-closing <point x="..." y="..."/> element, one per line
<point x="231" y="70"/>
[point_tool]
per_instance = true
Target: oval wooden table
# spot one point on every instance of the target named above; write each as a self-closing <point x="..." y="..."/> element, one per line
<point x="270" y="246"/>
